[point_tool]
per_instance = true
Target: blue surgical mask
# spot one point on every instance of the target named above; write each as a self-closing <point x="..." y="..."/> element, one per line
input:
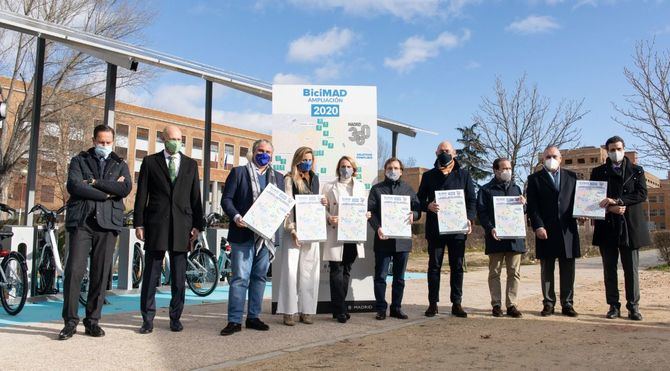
<point x="262" y="159"/>
<point x="103" y="151"/>
<point x="305" y="166"/>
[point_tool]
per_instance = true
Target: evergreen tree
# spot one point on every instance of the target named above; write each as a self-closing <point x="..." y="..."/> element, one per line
<point x="472" y="156"/>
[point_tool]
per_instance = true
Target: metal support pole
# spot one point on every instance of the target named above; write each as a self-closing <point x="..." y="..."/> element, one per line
<point x="208" y="143"/>
<point x="110" y="95"/>
<point x="35" y="128"/>
<point x="394" y="144"/>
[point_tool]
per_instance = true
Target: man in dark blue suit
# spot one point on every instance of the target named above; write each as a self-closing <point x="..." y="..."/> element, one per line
<point x="250" y="254"/>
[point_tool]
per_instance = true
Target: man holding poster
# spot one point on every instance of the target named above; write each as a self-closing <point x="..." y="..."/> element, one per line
<point x="499" y="250"/>
<point x="250" y="254"/>
<point x="624" y="230"/>
<point x="446" y="175"/>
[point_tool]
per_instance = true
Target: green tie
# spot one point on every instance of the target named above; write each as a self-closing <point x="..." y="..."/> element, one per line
<point x="172" y="169"/>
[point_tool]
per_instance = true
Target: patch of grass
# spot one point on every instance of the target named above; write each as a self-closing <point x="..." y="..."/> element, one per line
<point x="660" y="268"/>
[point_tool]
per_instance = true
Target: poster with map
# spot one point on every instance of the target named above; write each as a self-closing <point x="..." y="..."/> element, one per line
<point x="310" y="218"/>
<point x="352" y="224"/>
<point x="509" y="217"/>
<point x="452" y="217"/>
<point x="395" y="216"/>
<point x="332" y="120"/>
<point x="268" y="211"/>
<point x="588" y="195"/>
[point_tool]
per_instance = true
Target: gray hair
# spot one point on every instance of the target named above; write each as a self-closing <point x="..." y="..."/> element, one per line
<point x="257" y="144"/>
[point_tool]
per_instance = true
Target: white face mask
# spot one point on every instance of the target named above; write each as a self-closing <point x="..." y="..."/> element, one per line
<point x="615" y="156"/>
<point x="551" y="164"/>
<point x="394" y="175"/>
<point x="505" y="175"/>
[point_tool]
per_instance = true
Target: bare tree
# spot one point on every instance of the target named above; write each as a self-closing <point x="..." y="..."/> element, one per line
<point x="71" y="78"/>
<point x="383" y="151"/>
<point x="409" y="161"/>
<point x="648" y="116"/>
<point x="519" y="124"/>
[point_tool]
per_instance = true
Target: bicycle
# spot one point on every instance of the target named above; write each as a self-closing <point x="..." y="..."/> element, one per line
<point x="13" y="275"/>
<point x="202" y="272"/>
<point x="138" y="255"/>
<point x="49" y="264"/>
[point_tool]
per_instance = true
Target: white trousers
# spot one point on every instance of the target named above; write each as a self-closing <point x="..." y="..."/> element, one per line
<point x="299" y="279"/>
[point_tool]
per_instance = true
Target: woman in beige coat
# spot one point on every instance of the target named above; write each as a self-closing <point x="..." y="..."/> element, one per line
<point x="341" y="255"/>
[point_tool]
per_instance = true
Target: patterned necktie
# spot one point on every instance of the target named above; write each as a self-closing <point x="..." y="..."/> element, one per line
<point x="557" y="184"/>
<point x="172" y="169"/>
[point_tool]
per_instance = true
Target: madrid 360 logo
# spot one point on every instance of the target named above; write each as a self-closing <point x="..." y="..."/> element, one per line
<point x="359" y="132"/>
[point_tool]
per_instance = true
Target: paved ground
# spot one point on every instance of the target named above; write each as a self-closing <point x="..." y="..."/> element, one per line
<point x="32" y="345"/>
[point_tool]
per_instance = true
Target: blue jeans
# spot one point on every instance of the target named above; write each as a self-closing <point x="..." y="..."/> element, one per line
<point x="382" y="260"/>
<point x="249" y="272"/>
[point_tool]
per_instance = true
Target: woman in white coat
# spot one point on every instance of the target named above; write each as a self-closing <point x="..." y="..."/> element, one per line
<point x="300" y="262"/>
<point x="341" y="255"/>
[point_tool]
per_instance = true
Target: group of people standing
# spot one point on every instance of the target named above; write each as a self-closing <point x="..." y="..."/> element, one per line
<point x="169" y="216"/>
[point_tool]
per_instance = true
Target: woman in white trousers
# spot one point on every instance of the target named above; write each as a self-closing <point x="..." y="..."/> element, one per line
<point x="300" y="262"/>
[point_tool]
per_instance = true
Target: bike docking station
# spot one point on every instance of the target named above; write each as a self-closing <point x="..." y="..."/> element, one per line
<point x="22" y="241"/>
<point x="127" y="242"/>
<point x="214" y="238"/>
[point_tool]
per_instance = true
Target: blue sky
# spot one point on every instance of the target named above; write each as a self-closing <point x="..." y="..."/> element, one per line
<point x="431" y="60"/>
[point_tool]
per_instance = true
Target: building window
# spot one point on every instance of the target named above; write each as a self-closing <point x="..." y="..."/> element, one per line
<point x="653" y="212"/>
<point x="48" y="168"/>
<point x="568" y="162"/>
<point x="196" y="151"/>
<point x="121" y="136"/>
<point x="660" y="198"/>
<point x="661" y="225"/>
<point x="244" y="152"/>
<point x="214" y="155"/>
<point x="51" y="136"/>
<point x="581" y="161"/>
<point x="47" y="193"/>
<point x="121" y="152"/>
<point x="661" y="212"/>
<point x="229" y="159"/>
<point x="652" y="199"/>
<point x="142" y="139"/>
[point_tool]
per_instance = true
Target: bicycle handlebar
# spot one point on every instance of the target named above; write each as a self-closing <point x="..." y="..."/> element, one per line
<point x="7" y="209"/>
<point x="212" y="218"/>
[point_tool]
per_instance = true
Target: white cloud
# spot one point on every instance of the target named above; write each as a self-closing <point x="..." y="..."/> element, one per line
<point x="581" y="3"/>
<point x="289" y="78"/>
<point x="472" y="65"/>
<point x="416" y="49"/>
<point x="663" y="30"/>
<point x="328" y="72"/>
<point x="309" y="48"/>
<point x="404" y="9"/>
<point x="533" y="24"/>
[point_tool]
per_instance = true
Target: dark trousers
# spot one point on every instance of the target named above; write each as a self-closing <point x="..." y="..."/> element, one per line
<point x="98" y="243"/>
<point x="340" y="279"/>
<point x="153" y="263"/>
<point x="567" y="280"/>
<point x="629" y="260"/>
<point x="456" y="251"/>
<point x="382" y="261"/>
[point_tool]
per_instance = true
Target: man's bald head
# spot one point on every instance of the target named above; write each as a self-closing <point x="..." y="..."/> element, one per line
<point x="446" y="147"/>
<point x="171" y="132"/>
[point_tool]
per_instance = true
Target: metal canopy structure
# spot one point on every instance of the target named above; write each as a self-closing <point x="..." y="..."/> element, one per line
<point x="125" y="55"/>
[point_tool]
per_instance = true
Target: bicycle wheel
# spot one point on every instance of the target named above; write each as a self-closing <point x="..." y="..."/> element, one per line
<point x="83" y="292"/>
<point x="15" y="289"/>
<point x="46" y="273"/>
<point x="138" y="265"/>
<point x="202" y="273"/>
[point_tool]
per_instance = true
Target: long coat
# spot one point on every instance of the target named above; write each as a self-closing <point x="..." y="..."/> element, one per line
<point x="332" y="249"/>
<point x="485" y="212"/>
<point x="168" y="211"/>
<point x="551" y="209"/>
<point x="390" y="187"/>
<point x="86" y="198"/>
<point x="631" y="188"/>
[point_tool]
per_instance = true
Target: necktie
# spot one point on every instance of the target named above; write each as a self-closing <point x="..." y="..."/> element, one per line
<point x="556" y="182"/>
<point x="172" y="169"/>
<point x="101" y="167"/>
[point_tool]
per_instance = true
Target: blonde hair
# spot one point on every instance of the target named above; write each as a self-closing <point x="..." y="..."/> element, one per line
<point x="351" y="161"/>
<point x="296" y="178"/>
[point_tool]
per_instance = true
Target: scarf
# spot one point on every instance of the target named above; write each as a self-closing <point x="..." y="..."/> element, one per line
<point x="259" y="240"/>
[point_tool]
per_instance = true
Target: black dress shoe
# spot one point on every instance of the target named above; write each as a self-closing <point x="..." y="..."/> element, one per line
<point x="398" y="313"/>
<point x="614" y="312"/>
<point x="569" y="311"/>
<point x="635" y="315"/>
<point x="496" y="311"/>
<point x="176" y="326"/>
<point x="548" y="310"/>
<point x="256" y="324"/>
<point x="67" y="332"/>
<point x="514" y="312"/>
<point x="345" y="314"/>
<point x="95" y="331"/>
<point x="147" y="328"/>
<point x="231" y="328"/>
<point x="380" y="315"/>
<point x="457" y="310"/>
<point x="342" y="318"/>
<point x="432" y="310"/>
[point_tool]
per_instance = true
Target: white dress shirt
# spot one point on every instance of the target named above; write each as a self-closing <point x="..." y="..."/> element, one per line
<point x="177" y="161"/>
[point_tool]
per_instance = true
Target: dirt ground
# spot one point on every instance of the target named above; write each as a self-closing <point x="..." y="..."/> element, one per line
<point x="484" y="342"/>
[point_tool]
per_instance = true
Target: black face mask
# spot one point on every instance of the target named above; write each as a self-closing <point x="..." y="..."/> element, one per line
<point x="444" y="159"/>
